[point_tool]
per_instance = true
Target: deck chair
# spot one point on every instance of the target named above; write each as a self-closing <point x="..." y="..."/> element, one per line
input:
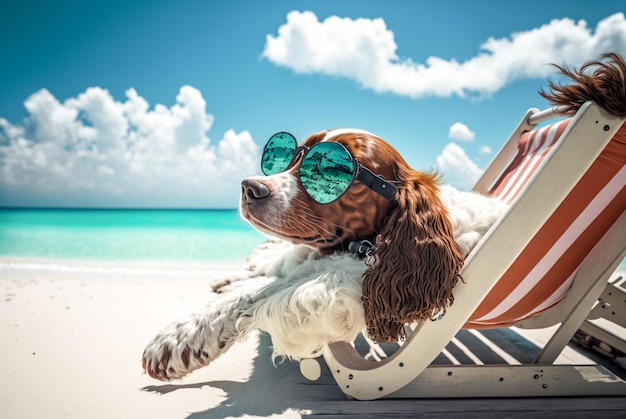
<point x="604" y="329"/>
<point x="566" y="183"/>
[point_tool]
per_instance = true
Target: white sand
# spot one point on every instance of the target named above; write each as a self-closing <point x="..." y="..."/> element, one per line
<point x="73" y="335"/>
<point x="72" y="339"/>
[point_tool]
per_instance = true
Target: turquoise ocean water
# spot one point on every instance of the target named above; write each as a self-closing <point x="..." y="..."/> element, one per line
<point x="166" y="236"/>
<point x="196" y="236"/>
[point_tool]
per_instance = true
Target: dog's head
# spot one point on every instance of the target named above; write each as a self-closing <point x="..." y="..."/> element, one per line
<point x="417" y="260"/>
<point x="279" y="205"/>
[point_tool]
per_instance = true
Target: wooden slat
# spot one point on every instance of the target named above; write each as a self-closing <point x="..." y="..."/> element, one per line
<point x="513" y="381"/>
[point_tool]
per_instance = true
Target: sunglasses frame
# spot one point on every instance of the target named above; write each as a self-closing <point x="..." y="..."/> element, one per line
<point x="361" y="173"/>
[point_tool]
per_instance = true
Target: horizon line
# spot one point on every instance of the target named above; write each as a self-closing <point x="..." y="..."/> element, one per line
<point x="31" y="207"/>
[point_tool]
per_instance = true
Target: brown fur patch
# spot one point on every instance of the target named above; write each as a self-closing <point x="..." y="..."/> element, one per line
<point x="418" y="262"/>
<point x="603" y="81"/>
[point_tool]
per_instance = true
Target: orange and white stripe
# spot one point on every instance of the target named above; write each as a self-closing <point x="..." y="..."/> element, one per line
<point x="542" y="274"/>
<point x="534" y="147"/>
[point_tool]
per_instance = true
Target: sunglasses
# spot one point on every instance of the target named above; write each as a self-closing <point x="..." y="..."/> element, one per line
<point x="327" y="169"/>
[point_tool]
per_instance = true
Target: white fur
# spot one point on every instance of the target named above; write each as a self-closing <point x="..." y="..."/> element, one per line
<point x="470" y="214"/>
<point x="336" y="132"/>
<point x="302" y="300"/>
<point x="285" y="187"/>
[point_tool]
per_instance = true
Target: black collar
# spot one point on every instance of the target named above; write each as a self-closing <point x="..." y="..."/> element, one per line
<point x="363" y="249"/>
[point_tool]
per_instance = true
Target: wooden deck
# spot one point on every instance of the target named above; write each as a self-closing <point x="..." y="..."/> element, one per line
<point x="323" y="398"/>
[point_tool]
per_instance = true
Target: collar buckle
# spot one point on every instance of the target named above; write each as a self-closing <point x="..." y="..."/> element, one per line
<point x="363" y="249"/>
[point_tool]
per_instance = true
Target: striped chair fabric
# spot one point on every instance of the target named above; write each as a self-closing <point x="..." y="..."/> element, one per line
<point x="542" y="274"/>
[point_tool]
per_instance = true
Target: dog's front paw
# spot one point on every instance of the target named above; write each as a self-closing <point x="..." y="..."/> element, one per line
<point x="166" y="358"/>
<point x="194" y="343"/>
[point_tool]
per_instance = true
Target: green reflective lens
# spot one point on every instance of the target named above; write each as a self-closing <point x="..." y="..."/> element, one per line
<point x="326" y="171"/>
<point x="278" y="153"/>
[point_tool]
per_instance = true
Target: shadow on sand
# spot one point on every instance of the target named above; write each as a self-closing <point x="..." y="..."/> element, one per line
<point x="270" y="390"/>
<point x="273" y="390"/>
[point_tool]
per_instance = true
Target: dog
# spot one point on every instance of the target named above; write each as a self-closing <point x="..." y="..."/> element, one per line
<point x="362" y="242"/>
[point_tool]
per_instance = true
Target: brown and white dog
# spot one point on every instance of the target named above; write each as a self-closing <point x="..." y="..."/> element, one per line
<point x="306" y="291"/>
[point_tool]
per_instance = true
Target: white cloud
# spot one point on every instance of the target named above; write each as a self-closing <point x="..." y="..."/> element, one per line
<point x="461" y="132"/>
<point x="457" y="168"/>
<point x="364" y="50"/>
<point x="485" y="149"/>
<point x="94" y="148"/>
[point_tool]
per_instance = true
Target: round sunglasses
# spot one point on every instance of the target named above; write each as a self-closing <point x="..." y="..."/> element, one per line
<point x="327" y="169"/>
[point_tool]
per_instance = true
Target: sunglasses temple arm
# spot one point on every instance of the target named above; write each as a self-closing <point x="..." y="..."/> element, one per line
<point x="376" y="183"/>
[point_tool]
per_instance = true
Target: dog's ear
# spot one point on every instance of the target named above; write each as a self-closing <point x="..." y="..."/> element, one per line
<point x="417" y="263"/>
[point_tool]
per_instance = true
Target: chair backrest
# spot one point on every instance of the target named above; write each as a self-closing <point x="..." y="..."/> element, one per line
<point x="542" y="274"/>
<point x="491" y="263"/>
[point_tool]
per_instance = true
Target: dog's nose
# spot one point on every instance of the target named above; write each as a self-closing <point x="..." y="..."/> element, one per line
<point x="253" y="190"/>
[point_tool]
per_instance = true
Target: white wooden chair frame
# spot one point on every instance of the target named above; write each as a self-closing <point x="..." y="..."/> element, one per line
<point x="408" y="372"/>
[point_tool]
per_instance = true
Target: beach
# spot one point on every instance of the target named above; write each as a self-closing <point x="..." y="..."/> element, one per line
<point x="73" y="338"/>
<point x="73" y="335"/>
<point x="82" y="292"/>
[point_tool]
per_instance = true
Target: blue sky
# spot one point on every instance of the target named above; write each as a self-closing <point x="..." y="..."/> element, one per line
<point x="167" y="104"/>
